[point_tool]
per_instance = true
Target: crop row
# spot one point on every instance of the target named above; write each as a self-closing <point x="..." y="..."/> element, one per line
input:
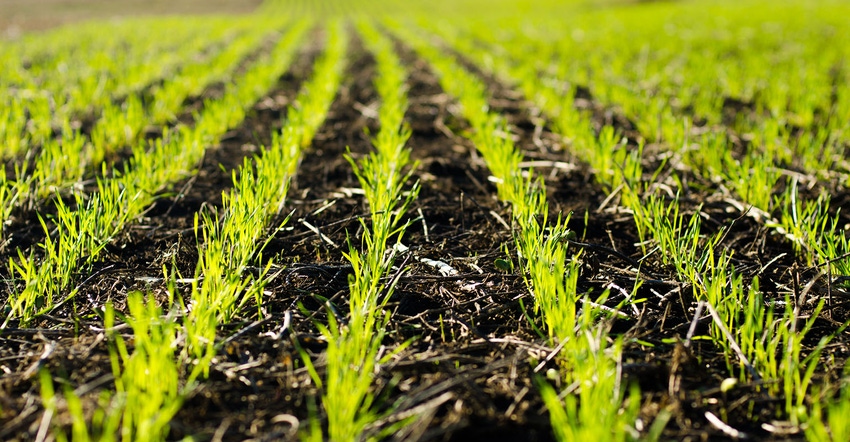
<point x="355" y="340"/>
<point x="550" y="271"/>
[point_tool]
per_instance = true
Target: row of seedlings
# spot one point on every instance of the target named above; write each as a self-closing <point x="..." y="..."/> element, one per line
<point x="150" y="384"/>
<point x="698" y="71"/>
<point x="39" y="103"/>
<point x="353" y="355"/>
<point x="230" y="239"/>
<point x="588" y="355"/>
<point x="821" y="234"/>
<point x="42" y="50"/>
<point x="755" y="176"/>
<point x="121" y="124"/>
<point x="604" y="152"/>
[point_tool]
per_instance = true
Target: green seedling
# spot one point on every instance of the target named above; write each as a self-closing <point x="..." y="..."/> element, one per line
<point x="353" y="358"/>
<point x="149" y="389"/>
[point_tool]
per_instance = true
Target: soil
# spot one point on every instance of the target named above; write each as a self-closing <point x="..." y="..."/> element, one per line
<point x="474" y="350"/>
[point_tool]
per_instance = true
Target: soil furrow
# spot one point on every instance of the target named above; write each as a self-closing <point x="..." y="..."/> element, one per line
<point x="473" y="324"/>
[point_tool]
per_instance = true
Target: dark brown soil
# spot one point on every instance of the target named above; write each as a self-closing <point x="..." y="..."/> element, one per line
<point x="469" y="367"/>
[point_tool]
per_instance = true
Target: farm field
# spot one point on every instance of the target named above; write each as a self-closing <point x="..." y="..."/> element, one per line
<point x="454" y="221"/>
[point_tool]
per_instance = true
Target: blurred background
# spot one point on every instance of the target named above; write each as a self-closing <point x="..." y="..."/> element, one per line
<point x="18" y="16"/>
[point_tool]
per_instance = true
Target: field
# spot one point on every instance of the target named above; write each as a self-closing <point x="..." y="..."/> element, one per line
<point x="327" y="220"/>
